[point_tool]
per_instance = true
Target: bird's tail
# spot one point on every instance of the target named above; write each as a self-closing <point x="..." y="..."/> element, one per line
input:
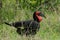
<point x="7" y="23"/>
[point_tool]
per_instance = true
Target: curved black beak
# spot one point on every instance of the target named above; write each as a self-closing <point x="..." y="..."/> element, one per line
<point x="41" y="14"/>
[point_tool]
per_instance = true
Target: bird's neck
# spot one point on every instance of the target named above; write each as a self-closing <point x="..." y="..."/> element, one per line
<point x="36" y="21"/>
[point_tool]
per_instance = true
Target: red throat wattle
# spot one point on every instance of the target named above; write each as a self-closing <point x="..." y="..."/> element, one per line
<point x="39" y="18"/>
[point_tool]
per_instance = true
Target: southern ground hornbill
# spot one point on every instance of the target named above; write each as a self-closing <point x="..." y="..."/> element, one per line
<point x="29" y="27"/>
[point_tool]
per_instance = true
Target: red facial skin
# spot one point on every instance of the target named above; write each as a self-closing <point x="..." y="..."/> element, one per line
<point x="38" y="17"/>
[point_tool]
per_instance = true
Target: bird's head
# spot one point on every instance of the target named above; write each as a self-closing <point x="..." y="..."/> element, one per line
<point x="38" y="16"/>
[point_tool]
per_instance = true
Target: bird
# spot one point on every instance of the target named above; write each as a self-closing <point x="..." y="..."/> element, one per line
<point x="28" y="27"/>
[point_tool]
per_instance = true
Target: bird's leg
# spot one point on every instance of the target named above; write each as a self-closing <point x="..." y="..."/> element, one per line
<point x="33" y="32"/>
<point x="21" y="31"/>
<point x="18" y="30"/>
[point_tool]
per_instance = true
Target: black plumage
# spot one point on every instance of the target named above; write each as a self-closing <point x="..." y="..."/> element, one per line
<point x="29" y="27"/>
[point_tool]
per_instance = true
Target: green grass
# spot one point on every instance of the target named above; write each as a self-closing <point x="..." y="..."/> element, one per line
<point x="49" y="30"/>
<point x="49" y="27"/>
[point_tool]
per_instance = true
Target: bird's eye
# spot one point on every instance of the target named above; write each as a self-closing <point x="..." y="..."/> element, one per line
<point x="39" y="14"/>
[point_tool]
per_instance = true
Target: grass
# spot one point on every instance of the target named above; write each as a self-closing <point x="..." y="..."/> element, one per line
<point x="49" y="27"/>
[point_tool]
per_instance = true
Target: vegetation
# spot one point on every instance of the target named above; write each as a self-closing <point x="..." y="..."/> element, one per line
<point x="18" y="10"/>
